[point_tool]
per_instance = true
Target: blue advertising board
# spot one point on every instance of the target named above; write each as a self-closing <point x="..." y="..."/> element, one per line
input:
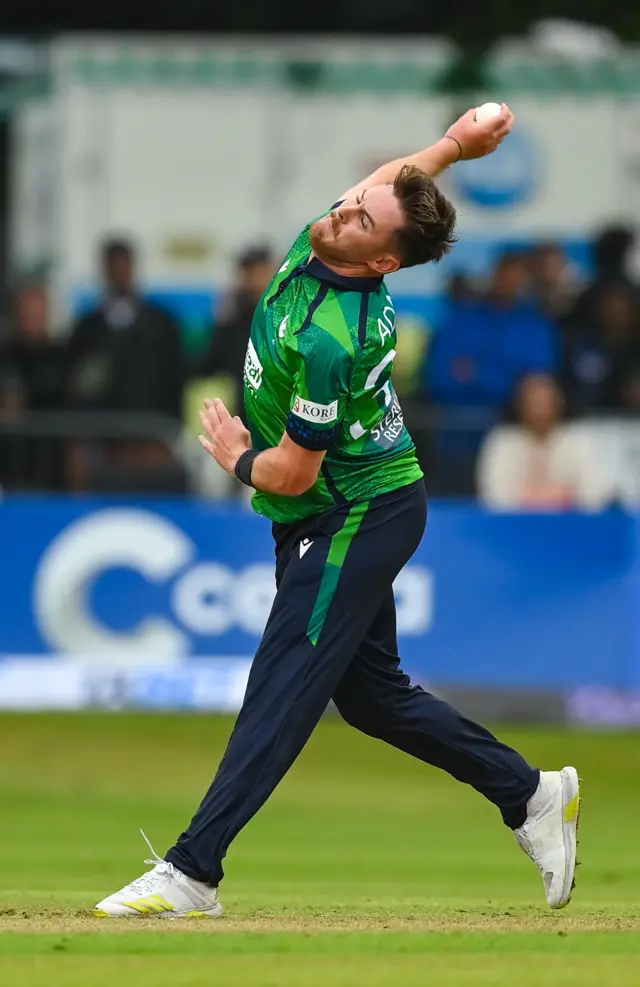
<point x="488" y="601"/>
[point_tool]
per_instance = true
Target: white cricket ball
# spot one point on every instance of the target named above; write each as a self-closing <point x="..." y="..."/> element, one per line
<point x="487" y="111"/>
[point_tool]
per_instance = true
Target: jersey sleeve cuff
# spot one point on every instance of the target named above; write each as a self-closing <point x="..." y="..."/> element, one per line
<point x="314" y="439"/>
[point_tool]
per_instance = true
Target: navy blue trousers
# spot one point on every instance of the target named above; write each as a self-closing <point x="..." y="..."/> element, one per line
<point x="331" y="634"/>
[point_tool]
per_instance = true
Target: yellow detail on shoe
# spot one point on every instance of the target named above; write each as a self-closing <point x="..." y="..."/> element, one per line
<point x="197" y="915"/>
<point x="165" y="905"/>
<point x="98" y="913"/>
<point x="571" y="809"/>
<point x="145" y="906"/>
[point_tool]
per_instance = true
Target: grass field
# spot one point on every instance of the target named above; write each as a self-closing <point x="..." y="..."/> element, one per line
<point x="366" y="868"/>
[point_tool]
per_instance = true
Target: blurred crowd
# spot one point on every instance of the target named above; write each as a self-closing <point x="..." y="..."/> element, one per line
<point x="525" y="391"/>
<point x="102" y="406"/>
<point x="535" y="380"/>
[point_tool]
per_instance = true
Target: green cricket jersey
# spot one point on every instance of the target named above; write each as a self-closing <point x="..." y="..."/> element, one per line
<point x="318" y="366"/>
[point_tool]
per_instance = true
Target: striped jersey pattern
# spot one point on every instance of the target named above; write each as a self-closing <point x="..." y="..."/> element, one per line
<point x="318" y="366"/>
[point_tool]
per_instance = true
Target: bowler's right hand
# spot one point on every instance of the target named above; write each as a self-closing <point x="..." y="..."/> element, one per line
<point x="478" y="139"/>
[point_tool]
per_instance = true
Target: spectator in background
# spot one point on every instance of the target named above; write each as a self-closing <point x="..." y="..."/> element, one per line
<point x="462" y="288"/>
<point x="620" y="438"/>
<point x="628" y="396"/>
<point x="599" y="350"/>
<point x="32" y="372"/>
<point x="554" y="281"/>
<point x="230" y="334"/>
<point x="125" y="355"/>
<point x="540" y="463"/>
<point x="611" y="253"/>
<point x="483" y="347"/>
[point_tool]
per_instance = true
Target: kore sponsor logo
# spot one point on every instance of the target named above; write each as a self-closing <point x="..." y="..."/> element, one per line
<point x="313" y="412"/>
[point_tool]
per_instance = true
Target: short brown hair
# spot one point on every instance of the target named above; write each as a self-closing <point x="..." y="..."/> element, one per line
<point x="428" y="232"/>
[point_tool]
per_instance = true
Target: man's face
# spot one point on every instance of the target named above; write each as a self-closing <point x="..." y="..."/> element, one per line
<point x="256" y="278"/>
<point x="361" y="231"/>
<point x="509" y="280"/>
<point x="118" y="272"/>
<point x="32" y="313"/>
<point x="548" y="264"/>
<point x="616" y="314"/>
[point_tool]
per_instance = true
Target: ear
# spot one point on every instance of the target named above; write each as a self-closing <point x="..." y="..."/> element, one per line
<point x="386" y="264"/>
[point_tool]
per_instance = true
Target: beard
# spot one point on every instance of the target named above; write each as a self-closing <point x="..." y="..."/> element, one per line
<point x="331" y="248"/>
<point x="322" y="236"/>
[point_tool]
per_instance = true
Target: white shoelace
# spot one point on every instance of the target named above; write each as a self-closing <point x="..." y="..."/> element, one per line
<point x="148" y="883"/>
<point x="155" y="857"/>
<point x="161" y="868"/>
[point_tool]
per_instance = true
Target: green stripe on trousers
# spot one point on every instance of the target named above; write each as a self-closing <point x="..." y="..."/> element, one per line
<point x="338" y="549"/>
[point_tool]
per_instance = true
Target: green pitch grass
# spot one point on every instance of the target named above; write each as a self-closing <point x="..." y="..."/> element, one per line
<point x="366" y="868"/>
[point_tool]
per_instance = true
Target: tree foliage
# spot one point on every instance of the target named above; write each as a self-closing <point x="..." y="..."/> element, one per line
<point x="474" y="25"/>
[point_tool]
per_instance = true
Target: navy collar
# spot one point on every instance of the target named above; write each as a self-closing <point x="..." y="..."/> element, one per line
<point x="317" y="269"/>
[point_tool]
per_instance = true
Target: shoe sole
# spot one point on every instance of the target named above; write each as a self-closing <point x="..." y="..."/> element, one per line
<point x="571" y="804"/>
<point x="216" y="912"/>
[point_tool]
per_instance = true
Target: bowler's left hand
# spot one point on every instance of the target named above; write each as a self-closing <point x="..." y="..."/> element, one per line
<point x="226" y="437"/>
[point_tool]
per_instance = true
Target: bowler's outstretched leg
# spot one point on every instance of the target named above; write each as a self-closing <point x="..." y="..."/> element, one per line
<point x="376" y="697"/>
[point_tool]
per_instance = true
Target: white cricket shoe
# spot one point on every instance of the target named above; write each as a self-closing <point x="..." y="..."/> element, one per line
<point x="550" y="834"/>
<point x="164" y="892"/>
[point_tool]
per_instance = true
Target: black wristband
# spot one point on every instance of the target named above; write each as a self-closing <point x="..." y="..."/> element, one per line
<point x="245" y="465"/>
<point x="449" y="137"/>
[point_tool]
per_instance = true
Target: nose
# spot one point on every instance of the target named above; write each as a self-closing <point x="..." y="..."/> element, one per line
<point x="345" y="212"/>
